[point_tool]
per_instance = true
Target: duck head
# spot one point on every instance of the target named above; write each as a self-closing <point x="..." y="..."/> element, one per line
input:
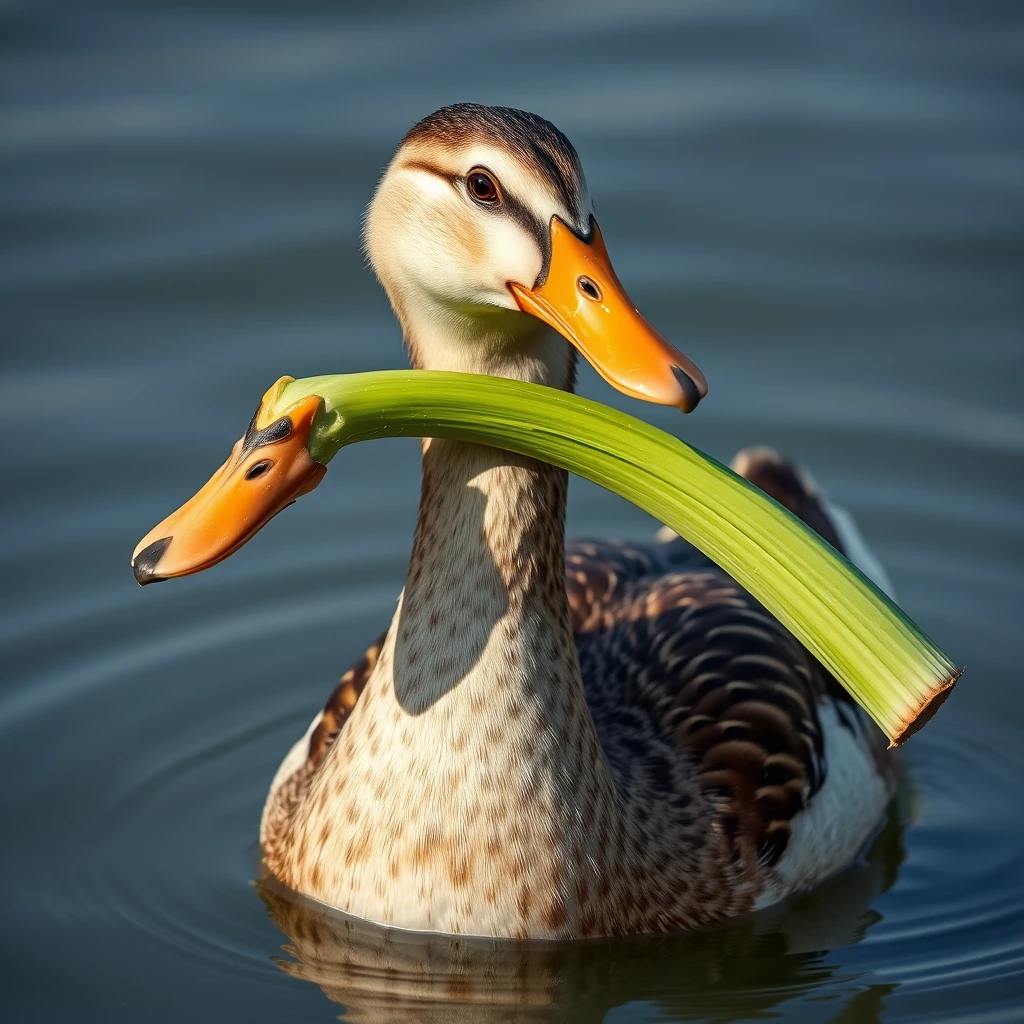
<point x="482" y="232"/>
<point x="266" y="471"/>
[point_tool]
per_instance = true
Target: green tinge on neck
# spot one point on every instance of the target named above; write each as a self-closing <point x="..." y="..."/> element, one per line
<point x="882" y="658"/>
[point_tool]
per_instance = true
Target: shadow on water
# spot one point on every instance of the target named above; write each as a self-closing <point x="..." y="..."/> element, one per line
<point x="737" y="971"/>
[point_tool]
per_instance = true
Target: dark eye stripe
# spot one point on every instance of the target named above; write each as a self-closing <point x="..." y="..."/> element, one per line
<point x="530" y="222"/>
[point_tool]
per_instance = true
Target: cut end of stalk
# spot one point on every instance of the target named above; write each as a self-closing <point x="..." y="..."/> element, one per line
<point x="924" y="711"/>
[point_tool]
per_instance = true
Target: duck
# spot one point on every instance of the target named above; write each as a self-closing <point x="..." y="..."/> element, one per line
<point x="550" y="740"/>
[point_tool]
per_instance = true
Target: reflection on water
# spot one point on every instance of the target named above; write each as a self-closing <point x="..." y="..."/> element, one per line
<point x="733" y="972"/>
<point x="822" y="204"/>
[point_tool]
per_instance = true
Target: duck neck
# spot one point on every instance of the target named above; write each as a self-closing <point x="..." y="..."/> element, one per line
<point x="484" y="615"/>
<point x="481" y="669"/>
<point x="468" y="791"/>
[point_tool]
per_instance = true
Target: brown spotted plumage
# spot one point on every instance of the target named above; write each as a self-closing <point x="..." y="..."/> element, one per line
<point x="670" y="647"/>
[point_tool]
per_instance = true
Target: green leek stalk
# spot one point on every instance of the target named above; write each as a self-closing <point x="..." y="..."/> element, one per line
<point x="880" y="656"/>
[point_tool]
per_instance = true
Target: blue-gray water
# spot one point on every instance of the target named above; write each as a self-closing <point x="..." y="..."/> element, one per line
<point x="822" y="203"/>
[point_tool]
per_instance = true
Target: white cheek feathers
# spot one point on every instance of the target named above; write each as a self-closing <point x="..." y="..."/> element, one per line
<point x="424" y="232"/>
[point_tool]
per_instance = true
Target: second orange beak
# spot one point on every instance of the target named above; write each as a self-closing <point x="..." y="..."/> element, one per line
<point x="582" y="299"/>
<point x="267" y="470"/>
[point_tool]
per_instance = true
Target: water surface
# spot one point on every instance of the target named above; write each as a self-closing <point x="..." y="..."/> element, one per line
<point x="822" y="203"/>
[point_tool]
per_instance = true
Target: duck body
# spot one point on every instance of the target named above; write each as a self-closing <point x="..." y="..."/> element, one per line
<point x="546" y="742"/>
<point x="557" y="742"/>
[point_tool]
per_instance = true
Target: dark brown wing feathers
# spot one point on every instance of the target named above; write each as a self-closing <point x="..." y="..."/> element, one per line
<point x="341" y="702"/>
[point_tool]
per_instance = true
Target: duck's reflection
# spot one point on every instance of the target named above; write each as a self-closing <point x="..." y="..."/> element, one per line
<point x="733" y="972"/>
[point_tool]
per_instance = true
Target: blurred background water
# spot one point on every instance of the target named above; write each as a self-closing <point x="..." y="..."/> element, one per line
<point x="822" y="203"/>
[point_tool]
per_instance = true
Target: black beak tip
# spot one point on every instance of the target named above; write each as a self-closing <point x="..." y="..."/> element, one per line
<point x="145" y="562"/>
<point x="692" y="393"/>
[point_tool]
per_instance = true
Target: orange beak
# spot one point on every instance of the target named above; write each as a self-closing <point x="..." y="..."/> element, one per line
<point x="266" y="471"/>
<point x="582" y="299"/>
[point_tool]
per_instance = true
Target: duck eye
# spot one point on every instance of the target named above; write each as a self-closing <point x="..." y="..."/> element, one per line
<point x="482" y="187"/>
<point x="258" y="469"/>
<point x="589" y="288"/>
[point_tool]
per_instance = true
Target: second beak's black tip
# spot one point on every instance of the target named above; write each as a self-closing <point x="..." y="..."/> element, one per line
<point x="145" y="562"/>
<point x="691" y="393"/>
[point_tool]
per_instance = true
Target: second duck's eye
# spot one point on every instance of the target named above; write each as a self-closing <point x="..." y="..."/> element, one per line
<point x="482" y="187"/>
